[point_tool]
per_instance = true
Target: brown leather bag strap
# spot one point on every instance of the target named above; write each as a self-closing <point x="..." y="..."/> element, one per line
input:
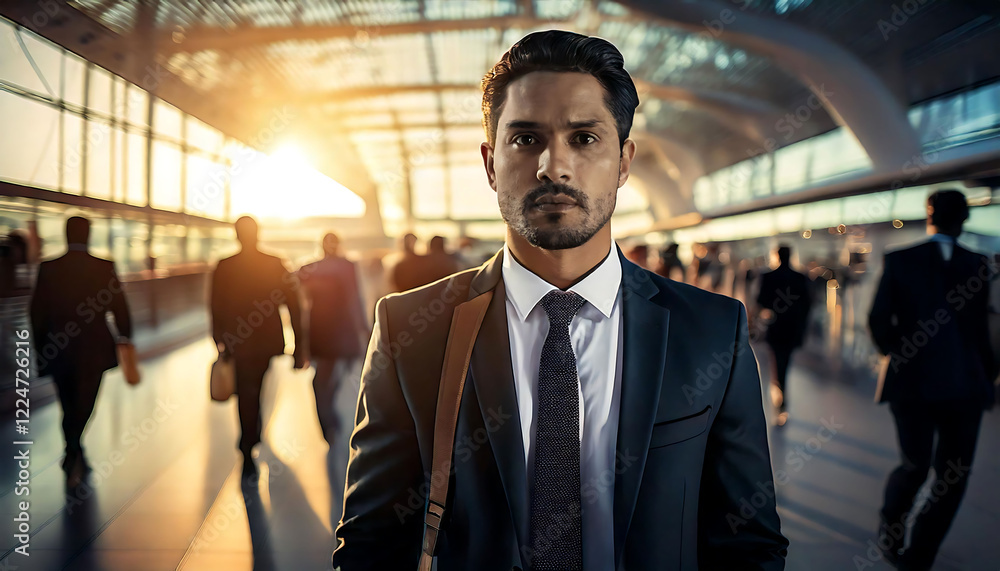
<point x="465" y="324"/>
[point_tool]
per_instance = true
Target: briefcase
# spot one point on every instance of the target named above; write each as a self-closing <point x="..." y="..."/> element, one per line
<point x="128" y="362"/>
<point x="222" y="379"/>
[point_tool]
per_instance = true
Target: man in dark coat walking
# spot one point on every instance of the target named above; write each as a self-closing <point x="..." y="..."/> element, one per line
<point x="247" y="290"/>
<point x="929" y="318"/>
<point x="73" y="293"/>
<point x="784" y="296"/>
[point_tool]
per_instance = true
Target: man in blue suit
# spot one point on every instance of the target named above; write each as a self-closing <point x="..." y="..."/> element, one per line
<point x="611" y="418"/>
<point x="930" y="318"/>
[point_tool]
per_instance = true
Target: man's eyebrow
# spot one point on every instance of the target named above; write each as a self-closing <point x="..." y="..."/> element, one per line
<point x="524" y="124"/>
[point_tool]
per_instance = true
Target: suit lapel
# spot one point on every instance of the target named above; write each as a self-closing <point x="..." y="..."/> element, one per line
<point x="645" y="346"/>
<point x="493" y="378"/>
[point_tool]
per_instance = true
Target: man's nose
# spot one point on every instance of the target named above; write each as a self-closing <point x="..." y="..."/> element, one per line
<point x="554" y="164"/>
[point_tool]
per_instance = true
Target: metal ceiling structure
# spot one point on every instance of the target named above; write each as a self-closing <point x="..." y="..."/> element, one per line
<point x="385" y="95"/>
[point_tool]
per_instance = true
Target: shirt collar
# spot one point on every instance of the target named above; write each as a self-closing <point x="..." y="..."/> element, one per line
<point x="525" y="289"/>
<point x="943" y="238"/>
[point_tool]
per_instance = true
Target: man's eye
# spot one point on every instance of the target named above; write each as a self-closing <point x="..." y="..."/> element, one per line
<point x="585" y="138"/>
<point x="524" y="139"/>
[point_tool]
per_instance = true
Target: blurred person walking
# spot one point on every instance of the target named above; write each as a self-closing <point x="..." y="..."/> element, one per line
<point x="438" y="263"/>
<point x="784" y="301"/>
<point x="335" y="325"/>
<point x="247" y="290"/>
<point x="406" y="273"/>
<point x="929" y="318"/>
<point x="72" y="296"/>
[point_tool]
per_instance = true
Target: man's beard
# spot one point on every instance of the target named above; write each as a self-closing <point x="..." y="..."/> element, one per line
<point x="555" y="236"/>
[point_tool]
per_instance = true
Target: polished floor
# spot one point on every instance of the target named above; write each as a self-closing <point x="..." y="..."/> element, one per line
<point x="166" y="493"/>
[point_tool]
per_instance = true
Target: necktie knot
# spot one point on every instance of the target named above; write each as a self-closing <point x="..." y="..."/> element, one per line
<point x="561" y="306"/>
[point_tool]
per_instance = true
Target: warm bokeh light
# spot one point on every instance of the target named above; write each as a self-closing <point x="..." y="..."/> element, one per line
<point x="285" y="186"/>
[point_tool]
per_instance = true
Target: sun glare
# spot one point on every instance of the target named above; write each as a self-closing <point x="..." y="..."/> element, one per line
<point x="285" y="186"/>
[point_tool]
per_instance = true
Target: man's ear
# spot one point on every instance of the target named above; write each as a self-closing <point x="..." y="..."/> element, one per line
<point x="491" y="174"/>
<point x="625" y="163"/>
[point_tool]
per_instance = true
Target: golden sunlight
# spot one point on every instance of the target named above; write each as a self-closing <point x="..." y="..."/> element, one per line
<point x="285" y="186"/>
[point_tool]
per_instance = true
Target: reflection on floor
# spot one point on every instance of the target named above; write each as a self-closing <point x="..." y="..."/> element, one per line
<point x="166" y="492"/>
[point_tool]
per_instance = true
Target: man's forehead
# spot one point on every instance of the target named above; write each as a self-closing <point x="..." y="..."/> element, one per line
<point x="555" y="98"/>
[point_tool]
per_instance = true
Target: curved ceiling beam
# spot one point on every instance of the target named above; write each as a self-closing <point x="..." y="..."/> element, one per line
<point x="201" y="38"/>
<point x="850" y="91"/>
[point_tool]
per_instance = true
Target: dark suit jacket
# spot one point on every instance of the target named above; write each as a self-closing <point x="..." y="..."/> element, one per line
<point x="72" y="295"/>
<point x="247" y="290"/>
<point x="786" y="293"/>
<point x="692" y="443"/>
<point x="336" y="317"/>
<point x="930" y="317"/>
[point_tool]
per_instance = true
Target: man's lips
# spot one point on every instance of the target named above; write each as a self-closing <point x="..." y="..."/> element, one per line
<point x="555" y="203"/>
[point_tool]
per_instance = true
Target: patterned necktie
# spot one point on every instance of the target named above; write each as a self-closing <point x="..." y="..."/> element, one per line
<point x="556" y="536"/>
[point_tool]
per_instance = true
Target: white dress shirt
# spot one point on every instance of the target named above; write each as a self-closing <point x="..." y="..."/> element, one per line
<point x="946" y="243"/>
<point x="596" y="334"/>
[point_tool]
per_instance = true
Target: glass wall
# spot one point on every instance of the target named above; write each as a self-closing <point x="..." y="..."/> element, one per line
<point x="84" y="131"/>
<point x="949" y="121"/>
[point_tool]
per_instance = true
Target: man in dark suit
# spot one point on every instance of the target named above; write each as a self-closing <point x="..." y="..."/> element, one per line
<point x="929" y="319"/>
<point x="611" y="418"/>
<point x="73" y="294"/>
<point x="784" y="301"/>
<point x="408" y="271"/>
<point x="247" y="290"/>
<point x="336" y="325"/>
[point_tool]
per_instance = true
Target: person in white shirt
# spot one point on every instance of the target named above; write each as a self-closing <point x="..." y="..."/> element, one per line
<point x="610" y="418"/>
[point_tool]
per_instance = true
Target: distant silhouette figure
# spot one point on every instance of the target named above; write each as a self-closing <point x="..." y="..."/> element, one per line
<point x="13" y="255"/>
<point x="639" y="255"/>
<point x="784" y="295"/>
<point x="247" y="290"/>
<point x="407" y="273"/>
<point x="335" y="325"/>
<point x="73" y="293"/>
<point x="438" y="263"/>
<point x="929" y="317"/>
<point x="670" y="261"/>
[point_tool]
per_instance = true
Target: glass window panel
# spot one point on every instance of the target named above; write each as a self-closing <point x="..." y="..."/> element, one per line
<point x="201" y="136"/>
<point x="206" y="187"/>
<point x="135" y="191"/>
<point x="791" y="167"/>
<point x="428" y="192"/>
<point x="166" y="176"/>
<point x="99" y="136"/>
<point x="118" y="105"/>
<point x="137" y="105"/>
<point x="75" y="70"/>
<point x="99" y="96"/>
<point x="100" y="229"/>
<point x="166" y="119"/>
<point x="120" y="168"/>
<point x="72" y="158"/>
<point x="33" y="156"/>
<point x="471" y="195"/>
<point x="15" y="67"/>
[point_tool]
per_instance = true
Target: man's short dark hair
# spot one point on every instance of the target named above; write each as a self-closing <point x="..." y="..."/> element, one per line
<point x="77" y="230"/>
<point x="950" y="208"/>
<point x="784" y="253"/>
<point x="558" y="50"/>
